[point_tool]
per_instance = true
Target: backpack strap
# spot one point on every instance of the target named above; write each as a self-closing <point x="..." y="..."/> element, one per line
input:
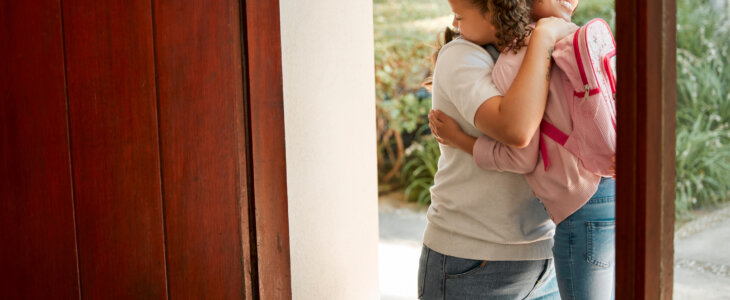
<point x="554" y="134"/>
<point x="493" y="52"/>
<point x="543" y="153"/>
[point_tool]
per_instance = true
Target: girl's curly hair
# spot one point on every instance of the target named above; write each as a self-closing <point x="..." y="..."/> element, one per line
<point x="510" y="18"/>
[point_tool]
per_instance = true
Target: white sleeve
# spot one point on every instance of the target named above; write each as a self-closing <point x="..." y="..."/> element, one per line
<point x="464" y="72"/>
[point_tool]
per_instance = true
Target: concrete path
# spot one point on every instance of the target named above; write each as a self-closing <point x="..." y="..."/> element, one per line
<point x="702" y="257"/>
<point x="702" y="252"/>
<point x="401" y="233"/>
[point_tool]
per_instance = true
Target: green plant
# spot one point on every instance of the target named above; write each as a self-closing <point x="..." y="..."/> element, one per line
<point x="590" y="9"/>
<point x="703" y="164"/>
<point x="395" y="118"/>
<point x="404" y="32"/>
<point x="701" y="27"/>
<point x="420" y="168"/>
<point x="703" y="109"/>
<point x="703" y="85"/>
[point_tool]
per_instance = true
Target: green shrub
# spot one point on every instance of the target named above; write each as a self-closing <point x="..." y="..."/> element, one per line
<point x="703" y="109"/>
<point x="590" y="9"/>
<point x="700" y="27"/>
<point x="420" y="169"/>
<point x="703" y="165"/>
<point x="404" y="33"/>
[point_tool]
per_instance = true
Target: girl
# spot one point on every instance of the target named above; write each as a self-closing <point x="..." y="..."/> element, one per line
<point x="580" y="202"/>
<point x="486" y="237"/>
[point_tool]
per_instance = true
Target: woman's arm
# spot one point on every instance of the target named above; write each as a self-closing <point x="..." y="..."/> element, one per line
<point x="513" y="118"/>
<point x="488" y="154"/>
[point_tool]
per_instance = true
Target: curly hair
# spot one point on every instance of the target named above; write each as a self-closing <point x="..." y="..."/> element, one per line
<point x="510" y="18"/>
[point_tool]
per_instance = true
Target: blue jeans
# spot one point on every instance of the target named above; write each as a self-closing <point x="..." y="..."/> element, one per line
<point x="446" y="277"/>
<point x="584" y="248"/>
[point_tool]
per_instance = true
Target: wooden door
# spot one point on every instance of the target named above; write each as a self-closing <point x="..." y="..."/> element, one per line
<point x="142" y="150"/>
<point x="38" y="257"/>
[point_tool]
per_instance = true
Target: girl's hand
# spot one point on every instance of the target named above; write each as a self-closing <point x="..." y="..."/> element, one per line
<point x="554" y="28"/>
<point x="444" y="128"/>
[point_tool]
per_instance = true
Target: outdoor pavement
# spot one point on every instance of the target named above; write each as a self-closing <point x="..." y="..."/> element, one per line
<point x="702" y="252"/>
<point x="702" y="257"/>
<point x="401" y="233"/>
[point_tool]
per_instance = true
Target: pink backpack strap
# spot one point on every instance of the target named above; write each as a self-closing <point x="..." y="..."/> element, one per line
<point x="590" y="93"/>
<point x="543" y="152"/>
<point x="608" y="67"/>
<point x="554" y="134"/>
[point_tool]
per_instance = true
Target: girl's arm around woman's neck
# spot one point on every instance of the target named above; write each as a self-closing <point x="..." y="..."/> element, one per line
<point x="513" y="118"/>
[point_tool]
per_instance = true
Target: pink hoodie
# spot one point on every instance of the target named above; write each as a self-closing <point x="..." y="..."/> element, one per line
<point x="566" y="185"/>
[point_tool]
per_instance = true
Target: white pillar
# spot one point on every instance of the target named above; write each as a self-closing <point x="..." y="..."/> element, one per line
<point x="329" y="108"/>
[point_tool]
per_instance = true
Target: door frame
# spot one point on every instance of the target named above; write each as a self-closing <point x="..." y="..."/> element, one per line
<point x="646" y="104"/>
<point x="269" y="259"/>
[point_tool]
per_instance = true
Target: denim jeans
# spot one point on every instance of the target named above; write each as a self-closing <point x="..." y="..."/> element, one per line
<point x="584" y="248"/>
<point x="446" y="277"/>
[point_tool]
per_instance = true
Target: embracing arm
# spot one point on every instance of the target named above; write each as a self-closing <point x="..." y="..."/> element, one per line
<point x="493" y="155"/>
<point x="488" y="153"/>
<point x="513" y="118"/>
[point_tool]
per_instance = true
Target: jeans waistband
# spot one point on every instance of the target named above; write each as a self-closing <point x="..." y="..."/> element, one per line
<point x="606" y="191"/>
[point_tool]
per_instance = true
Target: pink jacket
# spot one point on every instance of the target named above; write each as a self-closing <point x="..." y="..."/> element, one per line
<point x="566" y="185"/>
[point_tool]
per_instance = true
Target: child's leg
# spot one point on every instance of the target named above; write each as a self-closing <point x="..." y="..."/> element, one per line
<point x="585" y="247"/>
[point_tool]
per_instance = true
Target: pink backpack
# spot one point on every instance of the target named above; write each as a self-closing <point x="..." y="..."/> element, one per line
<point x="588" y="59"/>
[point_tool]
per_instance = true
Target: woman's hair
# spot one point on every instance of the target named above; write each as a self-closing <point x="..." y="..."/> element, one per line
<point x="442" y="39"/>
<point x="509" y="17"/>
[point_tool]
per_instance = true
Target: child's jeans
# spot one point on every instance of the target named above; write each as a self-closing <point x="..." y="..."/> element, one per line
<point x="446" y="277"/>
<point x="584" y="247"/>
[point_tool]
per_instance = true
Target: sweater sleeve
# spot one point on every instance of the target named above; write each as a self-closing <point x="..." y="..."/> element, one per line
<point x="464" y="72"/>
<point x="492" y="155"/>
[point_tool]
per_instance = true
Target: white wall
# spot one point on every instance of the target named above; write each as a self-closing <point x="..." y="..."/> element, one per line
<point x="329" y="107"/>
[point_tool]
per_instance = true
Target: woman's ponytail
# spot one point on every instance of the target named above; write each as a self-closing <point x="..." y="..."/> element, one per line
<point x="442" y="39"/>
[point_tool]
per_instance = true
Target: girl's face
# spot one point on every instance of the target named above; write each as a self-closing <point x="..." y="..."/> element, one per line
<point x="553" y="8"/>
<point x="473" y="25"/>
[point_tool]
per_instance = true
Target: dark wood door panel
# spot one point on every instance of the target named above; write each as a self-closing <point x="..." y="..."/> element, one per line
<point x="115" y="150"/>
<point x="268" y="151"/>
<point x="38" y="252"/>
<point x="142" y="150"/>
<point x="200" y="87"/>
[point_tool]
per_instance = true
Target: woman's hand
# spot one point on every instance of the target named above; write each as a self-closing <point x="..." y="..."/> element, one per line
<point x="554" y="28"/>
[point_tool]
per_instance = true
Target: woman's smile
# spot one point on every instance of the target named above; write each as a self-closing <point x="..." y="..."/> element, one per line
<point x="566" y="4"/>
